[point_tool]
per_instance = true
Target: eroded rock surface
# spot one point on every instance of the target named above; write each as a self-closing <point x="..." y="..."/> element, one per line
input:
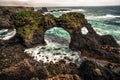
<point x="30" y="28"/>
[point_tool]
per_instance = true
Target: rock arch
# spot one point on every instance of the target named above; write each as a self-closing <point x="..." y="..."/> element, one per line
<point x="71" y="22"/>
<point x="30" y="27"/>
<point x="58" y="35"/>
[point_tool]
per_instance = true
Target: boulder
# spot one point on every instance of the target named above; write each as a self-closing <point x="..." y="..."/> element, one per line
<point x="90" y="70"/>
<point x="24" y="70"/>
<point x="44" y="9"/>
<point x="65" y="77"/>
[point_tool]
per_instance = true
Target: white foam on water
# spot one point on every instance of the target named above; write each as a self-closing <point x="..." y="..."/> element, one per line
<point x="104" y="31"/>
<point x="118" y="42"/>
<point x="78" y="10"/>
<point x="101" y="17"/>
<point x="100" y="31"/>
<point x="109" y="16"/>
<point x="3" y="30"/>
<point x="117" y="21"/>
<point x="59" y="13"/>
<point x="53" y="52"/>
<point x="8" y="35"/>
<point x="73" y="10"/>
<point x="84" y="30"/>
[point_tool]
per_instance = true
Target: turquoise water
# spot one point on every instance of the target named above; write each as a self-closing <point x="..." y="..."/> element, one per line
<point x="57" y="47"/>
<point x="104" y="29"/>
<point x="56" y="31"/>
<point x="104" y="20"/>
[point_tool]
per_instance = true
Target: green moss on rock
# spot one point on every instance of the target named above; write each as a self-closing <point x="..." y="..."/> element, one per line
<point x="72" y="19"/>
<point x="26" y="23"/>
<point x="47" y="20"/>
<point x="24" y="17"/>
<point x="27" y="31"/>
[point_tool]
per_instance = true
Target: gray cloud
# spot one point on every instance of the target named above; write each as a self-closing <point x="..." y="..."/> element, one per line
<point x="32" y="3"/>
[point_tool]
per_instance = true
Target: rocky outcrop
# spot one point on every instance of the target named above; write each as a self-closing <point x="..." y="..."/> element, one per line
<point x="31" y="70"/>
<point x="24" y="70"/>
<point x="91" y="71"/>
<point x="65" y="77"/>
<point x="6" y="16"/>
<point x="11" y="54"/>
<point x="31" y="27"/>
<point x="44" y="9"/>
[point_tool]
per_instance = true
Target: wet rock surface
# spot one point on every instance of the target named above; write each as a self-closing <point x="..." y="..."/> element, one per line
<point x="24" y="70"/>
<point x="65" y="77"/>
<point x="31" y="26"/>
<point x="95" y="71"/>
<point x="31" y="70"/>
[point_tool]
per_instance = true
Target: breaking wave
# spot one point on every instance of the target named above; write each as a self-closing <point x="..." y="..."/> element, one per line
<point x="57" y="48"/>
<point x="6" y="34"/>
<point x="103" y="17"/>
<point x="108" y="16"/>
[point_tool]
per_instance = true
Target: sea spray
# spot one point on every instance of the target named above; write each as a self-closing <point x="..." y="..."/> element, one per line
<point x="57" y="48"/>
<point x="105" y="20"/>
<point x="53" y="52"/>
<point x="6" y="34"/>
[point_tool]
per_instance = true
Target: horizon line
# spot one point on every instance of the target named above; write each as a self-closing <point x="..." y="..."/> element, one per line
<point x="47" y="4"/>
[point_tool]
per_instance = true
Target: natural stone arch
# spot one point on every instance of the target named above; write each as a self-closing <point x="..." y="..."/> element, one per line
<point x="31" y="26"/>
<point x="62" y="37"/>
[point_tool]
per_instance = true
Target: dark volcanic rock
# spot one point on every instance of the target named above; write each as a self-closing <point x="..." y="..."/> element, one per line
<point x="108" y="40"/>
<point x="5" y="19"/>
<point x="11" y="54"/>
<point x="89" y="70"/>
<point x="65" y="77"/>
<point x="6" y="16"/>
<point x="31" y="26"/>
<point x="44" y="9"/>
<point x="61" y="68"/>
<point x="24" y="70"/>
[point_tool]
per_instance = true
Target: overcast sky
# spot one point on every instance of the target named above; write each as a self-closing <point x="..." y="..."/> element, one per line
<point x="59" y="2"/>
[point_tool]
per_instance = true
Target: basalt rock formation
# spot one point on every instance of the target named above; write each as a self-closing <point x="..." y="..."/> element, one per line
<point x="31" y="70"/>
<point x="30" y="27"/>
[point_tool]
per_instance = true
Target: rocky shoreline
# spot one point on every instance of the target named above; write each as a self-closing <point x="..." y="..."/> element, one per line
<point x="30" y="27"/>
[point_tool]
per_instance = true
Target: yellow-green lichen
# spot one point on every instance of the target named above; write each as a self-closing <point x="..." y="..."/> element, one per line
<point x="27" y="31"/>
<point x="47" y="20"/>
<point x="72" y="19"/>
<point x="26" y="23"/>
<point x="24" y="17"/>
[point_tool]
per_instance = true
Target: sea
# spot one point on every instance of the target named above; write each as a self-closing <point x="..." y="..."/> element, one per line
<point x="104" y="19"/>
